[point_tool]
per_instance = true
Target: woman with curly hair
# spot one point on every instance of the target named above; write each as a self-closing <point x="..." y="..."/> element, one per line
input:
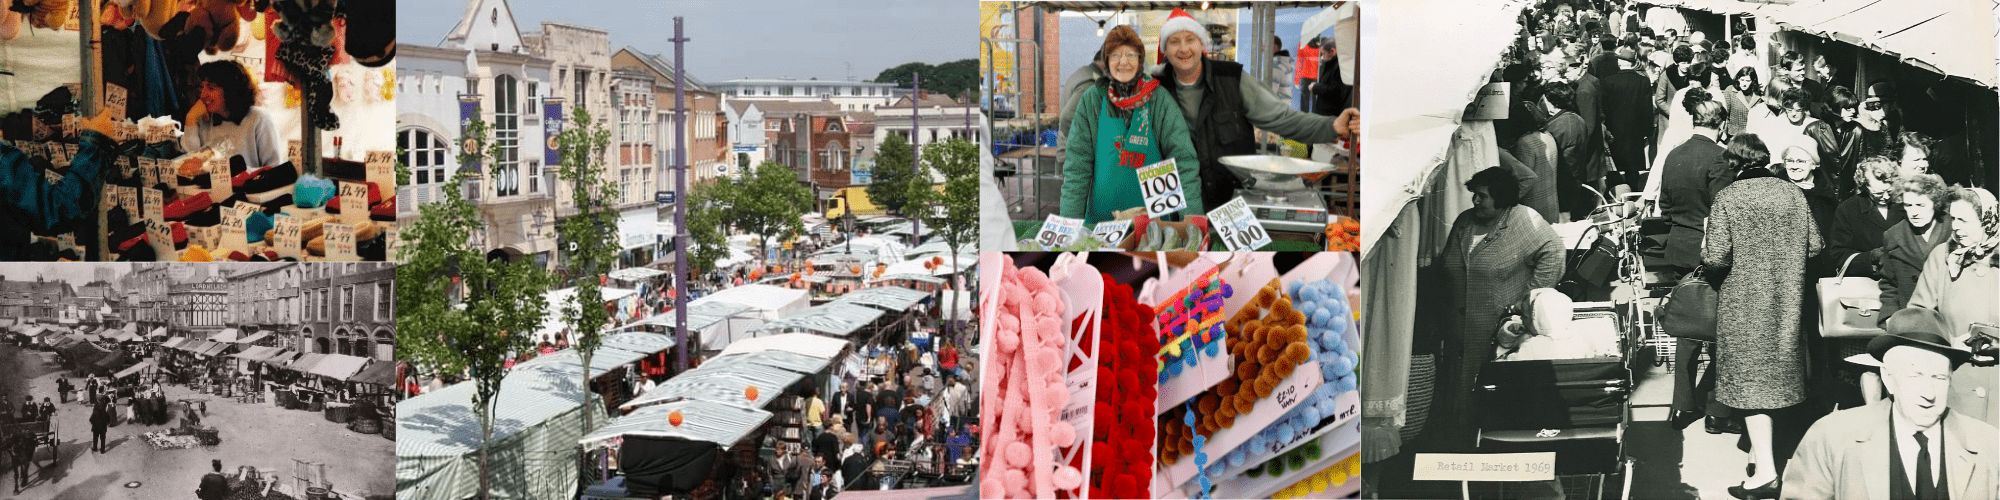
<point x="229" y="114"/>
<point x="1120" y="126"/>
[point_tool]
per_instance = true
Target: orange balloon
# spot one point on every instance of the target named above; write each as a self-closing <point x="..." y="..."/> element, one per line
<point x="937" y="259"/>
<point x="856" y="269"/>
<point x="750" y="393"/>
<point x="674" y="418"/>
<point x="756" y="273"/>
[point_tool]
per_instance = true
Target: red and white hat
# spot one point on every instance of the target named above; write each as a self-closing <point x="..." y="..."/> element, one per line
<point x="1180" y="21"/>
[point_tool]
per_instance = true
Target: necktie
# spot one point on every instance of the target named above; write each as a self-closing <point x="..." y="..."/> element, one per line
<point x="1925" y="488"/>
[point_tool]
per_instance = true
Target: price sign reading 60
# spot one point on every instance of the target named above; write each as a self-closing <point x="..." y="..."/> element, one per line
<point x="1160" y="183"/>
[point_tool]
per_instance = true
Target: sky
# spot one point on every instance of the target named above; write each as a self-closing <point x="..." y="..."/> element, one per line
<point x="747" y="39"/>
<point x="76" y="273"/>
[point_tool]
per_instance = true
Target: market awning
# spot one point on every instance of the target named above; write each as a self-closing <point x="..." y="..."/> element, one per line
<point x="158" y="332"/>
<point x="802" y="343"/>
<point x="887" y="298"/>
<point x="282" y="357"/>
<point x="257" y="353"/>
<point x="128" y="371"/>
<point x="728" y="380"/>
<point x="34" y="331"/>
<point x="214" y="349"/>
<point x="1949" y="37"/>
<point x="641" y="343"/>
<point x="703" y="421"/>
<point x="174" y="343"/>
<point x="254" y="337"/>
<point x="226" y="335"/>
<point x="305" y="363"/>
<point x="919" y="278"/>
<point x="783" y="360"/>
<point x="635" y="273"/>
<point x="338" y="366"/>
<point x="834" y="319"/>
<point x="381" y="373"/>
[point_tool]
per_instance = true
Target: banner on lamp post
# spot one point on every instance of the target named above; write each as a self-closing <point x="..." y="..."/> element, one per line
<point x="552" y="124"/>
<point x="468" y="110"/>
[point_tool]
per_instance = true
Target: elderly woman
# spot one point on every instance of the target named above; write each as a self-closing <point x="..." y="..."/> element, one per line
<point x="1119" y="128"/>
<point x="1755" y="239"/>
<point x="1496" y="253"/>
<point x="1861" y="219"/>
<point x="1905" y="248"/>
<point x="1800" y="165"/>
<point x="1961" y="280"/>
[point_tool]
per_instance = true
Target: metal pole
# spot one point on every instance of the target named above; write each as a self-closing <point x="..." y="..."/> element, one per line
<point x="680" y="202"/>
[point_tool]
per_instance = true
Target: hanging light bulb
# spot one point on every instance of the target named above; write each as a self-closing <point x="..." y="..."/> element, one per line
<point x="1100" y="29"/>
<point x="1204" y="6"/>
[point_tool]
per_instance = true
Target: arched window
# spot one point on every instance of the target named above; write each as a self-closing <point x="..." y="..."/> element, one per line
<point x="424" y="153"/>
<point x="322" y="346"/>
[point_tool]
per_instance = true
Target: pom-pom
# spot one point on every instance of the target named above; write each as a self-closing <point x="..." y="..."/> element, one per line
<point x="1016" y="480"/>
<point x="1295" y="318"/>
<point x="1062" y="433"/>
<point x="991" y="487"/>
<point x="1067" y="478"/>
<point x="1280" y="307"/>
<point x="1124" y="484"/>
<point x="1018" y="454"/>
<point x="1295" y="353"/>
<point x="1294" y="286"/>
<point x="1207" y="403"/>
<point x="1227" y="387"/>
<point x="1263" y="387"/>
<point x="1224" y="421"/>
<point x="1247" y="370"/>
<point x="1285" y="433"/>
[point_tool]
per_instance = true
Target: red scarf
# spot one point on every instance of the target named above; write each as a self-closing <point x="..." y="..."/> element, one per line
<point x="1144" y="90"/>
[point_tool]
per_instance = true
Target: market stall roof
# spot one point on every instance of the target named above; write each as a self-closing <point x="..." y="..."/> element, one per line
<point x="128" y="371"/>
<point x="158" y="332"/>
<point x="1419" y="110"/>
<point x="379" y="373"/>
<point x="282" y="357"/>
<point x="784" y="360"/>
<point x="214" y="348"/>
<point x="174" y="343"/>
<point x="339" y="366"/>
<point x="920" y="278"/>
<point x="832" y="319"/>
<point x="61" y="342"/>
<point x="1941" y="36"/>
<point x="226" y="335"/>
<point x="535" y="425"/>
<point x="194" y="346"/>
<point x="727" y="383"/>
<point x="641" y="343"/>
<point x="887" y="298"/>
<point x="601" y="363"/>
<point x="305" y="363"/>
<point x="258" y="353"/>
<point x="960" y="301"/>
<point x="1151" y="5"/>
<point x="704" y="421"/>
<point x="82" y="353"/>
<point x="759" y="297"/>
<point x="34" y="331"/>
<point x="635" y="273"/>
<point x="110" y="359"/>
<point x="254" y="337"/>
<point x="817" y="346"/>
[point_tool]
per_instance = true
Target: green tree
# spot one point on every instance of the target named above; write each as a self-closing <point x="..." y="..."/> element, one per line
<point x="459" y="312"/>
<point x="957" y="78"/>
<point x="893" y="173"/>
<point x="708" y="238"/>
<point x="953" y="213"/>
<point x="589" y="239"/>
<point x="768" y="204"/>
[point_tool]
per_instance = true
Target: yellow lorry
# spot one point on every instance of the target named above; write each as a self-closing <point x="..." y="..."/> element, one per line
<point x="853" y="198"/>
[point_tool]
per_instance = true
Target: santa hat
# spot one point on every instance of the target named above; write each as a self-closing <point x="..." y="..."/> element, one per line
<point x="1180" y="21"/>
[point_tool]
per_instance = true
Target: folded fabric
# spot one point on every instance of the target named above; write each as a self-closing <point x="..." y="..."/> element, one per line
<point x="255" y="226"/>
<point x="345" y="170"/>
<point x="182" y="207"/>
<point x="313" y="191"/>
<point x="267" y="179"/>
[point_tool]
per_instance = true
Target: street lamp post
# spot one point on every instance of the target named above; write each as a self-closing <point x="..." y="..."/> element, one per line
<point x="680" y="200"/>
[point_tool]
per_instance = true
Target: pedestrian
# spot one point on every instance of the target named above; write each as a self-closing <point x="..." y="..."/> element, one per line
<point x="62" y="388"/>
<point x="214" y="485"/>
<point x="24" y="455"/>
<point x="48" y="410"/>
<point x="100" y="417"/>
<point x="824" y="490"/>
<point x="29" y="411"/>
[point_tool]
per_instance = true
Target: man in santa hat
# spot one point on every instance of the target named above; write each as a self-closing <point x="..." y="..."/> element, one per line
<point x="1222" y="103"/>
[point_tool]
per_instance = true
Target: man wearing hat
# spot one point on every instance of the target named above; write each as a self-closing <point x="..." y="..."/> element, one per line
<point x="1222" y="103"/>
<point x="1909" y="446"/>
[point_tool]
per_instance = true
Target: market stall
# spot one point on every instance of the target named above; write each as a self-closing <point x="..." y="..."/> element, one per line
<point x="840" y="320"/>
<point x="536" y="429"/>
<point x="672" y="448"/>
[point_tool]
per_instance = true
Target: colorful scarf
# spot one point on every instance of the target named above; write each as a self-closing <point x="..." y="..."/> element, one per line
<point x="1129" y="95"/>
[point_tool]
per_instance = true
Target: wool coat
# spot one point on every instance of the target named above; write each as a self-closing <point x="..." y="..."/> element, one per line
<point x="1755" y="234"/>
<point x="1481" y="281"/>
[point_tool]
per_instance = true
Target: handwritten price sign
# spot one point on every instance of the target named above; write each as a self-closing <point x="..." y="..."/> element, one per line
<point x="340" y="243"/>
<point x="153" y="210"/>
<point x="382" y="167"/>
<point x="233" y="235"/>
<point x="1112" y="232"/>
<point x="1237" y="228"/>
<point x="114" y="99"/>
<point x="149" y="171"/>
<point x="128" y="197"/>
<point x="1059" y="231"/>
<point x="293" y="151"/>
<point x="285" y="238"/>
<point x="353" y="202"/>
<point x="1161" y="185"/>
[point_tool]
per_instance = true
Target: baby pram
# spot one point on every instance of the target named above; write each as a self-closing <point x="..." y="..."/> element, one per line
<point x="1576" y="408"/>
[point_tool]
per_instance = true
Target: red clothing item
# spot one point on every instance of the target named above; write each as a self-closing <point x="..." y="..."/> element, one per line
<point x="1308" y="65"/>
<point x="950" y="360"/>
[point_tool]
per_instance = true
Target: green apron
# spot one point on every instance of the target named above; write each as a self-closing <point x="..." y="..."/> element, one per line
<point x="1132" y="147"/>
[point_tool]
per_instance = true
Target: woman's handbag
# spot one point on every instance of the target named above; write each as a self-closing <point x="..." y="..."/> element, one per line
<point x="1849" y="308"/>
<point x="1689" y="310"/>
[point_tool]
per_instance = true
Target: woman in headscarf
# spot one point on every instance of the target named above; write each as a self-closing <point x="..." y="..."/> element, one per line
<point x="1755" y="241"/>
<point x="1120" y="127"/>
<point x="1961" y="279"/>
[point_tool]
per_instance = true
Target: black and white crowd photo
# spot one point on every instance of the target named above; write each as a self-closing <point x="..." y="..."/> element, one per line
<point x="197" y="380"/>
<point x="1681" y="249"/>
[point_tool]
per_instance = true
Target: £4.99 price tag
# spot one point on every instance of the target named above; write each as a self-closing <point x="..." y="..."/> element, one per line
<point x="1112" y="232"/>
<point x="1161" y="185"/>
<point x="1237" y="229"/>
<point x="1059" y="231"/>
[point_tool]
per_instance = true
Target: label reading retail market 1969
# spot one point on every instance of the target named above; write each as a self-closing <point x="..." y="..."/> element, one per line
<point x="1160" y="183"/>
<point x="1237" y="228"/>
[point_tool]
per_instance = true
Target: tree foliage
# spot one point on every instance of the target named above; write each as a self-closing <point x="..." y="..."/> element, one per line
<point x="708" y="238"/>
<point x="957" y="78"/>
<point x="588" y="239"/>
<point x="767" y="203"/>
<point x="893" y="173"/>
<point x="458" y="313"/>
<point x="952" y="214"/>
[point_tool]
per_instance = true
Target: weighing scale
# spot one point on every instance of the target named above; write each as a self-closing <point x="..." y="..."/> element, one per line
<point x="1278" y="198"/>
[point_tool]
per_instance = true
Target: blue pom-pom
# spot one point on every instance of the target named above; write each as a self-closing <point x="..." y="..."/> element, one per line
<point x="1285" y="434"/>
<point x="1293" y="287"/>
<point x="1347" y="384"/>
<point x="1211" y="349"/>
<point x="1341" y="366"/>
<point x="1174" y="368"/>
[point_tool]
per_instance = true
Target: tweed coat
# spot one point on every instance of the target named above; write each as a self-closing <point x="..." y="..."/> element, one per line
<point x="1522" y="253"/>
<point x="1759" y="231"/>
<point x="1845" y="455"/>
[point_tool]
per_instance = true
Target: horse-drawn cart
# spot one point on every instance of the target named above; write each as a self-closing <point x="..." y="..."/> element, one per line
<point x="41" y="432"/>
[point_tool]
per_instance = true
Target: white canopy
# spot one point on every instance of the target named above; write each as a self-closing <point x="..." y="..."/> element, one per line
<point x="555" y="300"/>
<point x="818" y="346"/>
<point x="776" y="301"/>
<point x="635" y="273"/>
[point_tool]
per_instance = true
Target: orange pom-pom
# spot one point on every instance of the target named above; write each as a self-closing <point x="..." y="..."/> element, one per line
<point x="750" y="393"/>
<point x="674" y="418"/>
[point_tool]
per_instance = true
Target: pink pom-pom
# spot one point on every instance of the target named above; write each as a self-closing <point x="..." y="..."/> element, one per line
<point x="1062" y="434"/>
<point x="1068" y="478"/>
<point x="1043" y="361"/>
<point x="1016" y="481"/>
<point x="1018" y="454"/>
<point x="991" y="487"/>
<point x="1057" y="395"/>
<point x="1009" y="339"/>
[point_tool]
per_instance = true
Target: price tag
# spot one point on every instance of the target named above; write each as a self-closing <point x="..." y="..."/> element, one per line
<point x="294" y="151"/>
<point x="1059" y="231"/>
<point x="382" y="168"/>
<point x="127" y="131"/>
<point x="157" y="133"/>
<point x="154" y="209"/>
<point x="340" y="242"/>
<point x="353" y="202"/>
<point x="149" y="171"/>
<point x="161" y="236"/>
<point x="114" y="99"/>
<point x="1160" y="183"/>
<point x="59" y="154"/>
<point x="219" y="188"/>
<point x="52" y="177"/>
<point x="41" y="129"/>
<point x="1237" y="228"/>
<point x="1112" y="232"/>
<point x="69" y="125"/>
<point x="286" y="237"/>
<point x="128" y="197"/>
<point x="66" y="241"/>
<point x="109" y="199"/>
<point x="123" y="164"/>
<point x="390" y="233"/>
<point x="234" y="235"/>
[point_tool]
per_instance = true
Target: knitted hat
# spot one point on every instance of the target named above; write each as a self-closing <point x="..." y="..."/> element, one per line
<point x="1180" y="21"/>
